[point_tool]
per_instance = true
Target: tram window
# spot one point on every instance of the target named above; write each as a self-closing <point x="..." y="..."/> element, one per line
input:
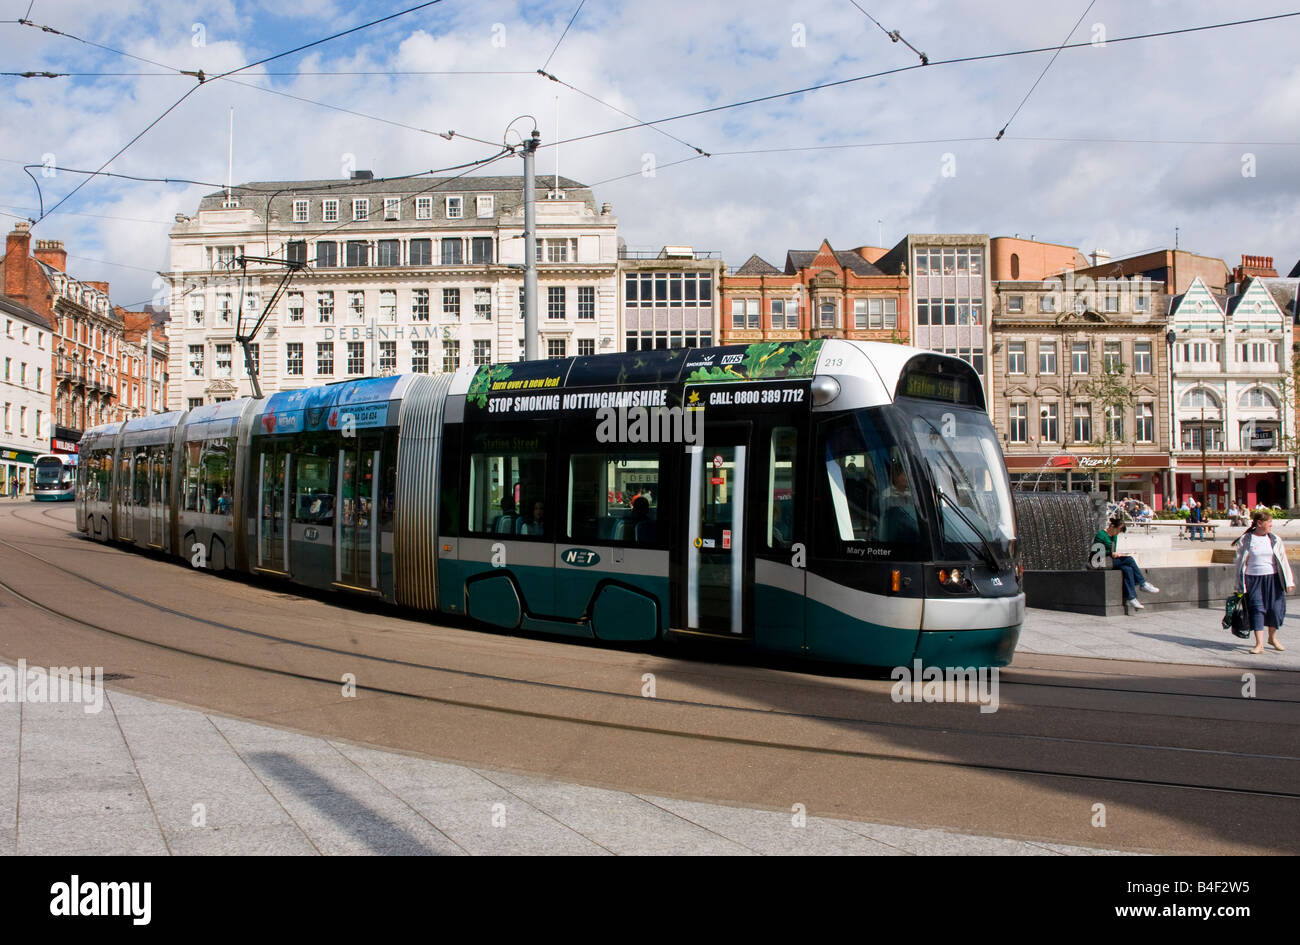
<point x="507" y="494"/>
<point x="215" y="485"/>
<point x="866" y="491"/>
<point x="140" y="482"/>
<point x="614" y="497"/>
<point x="314" y="463"/>
<point x="193" y="451"/>
<point x="781" y="487"/>
<point x="101" y="470"/>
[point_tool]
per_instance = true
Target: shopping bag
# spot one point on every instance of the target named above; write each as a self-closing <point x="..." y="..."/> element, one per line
<point x="1234" y="615"/>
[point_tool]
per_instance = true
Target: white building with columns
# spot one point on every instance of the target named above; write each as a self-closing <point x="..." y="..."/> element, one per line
<point x="420" y="275"/>
<point x="1234" y="395"/>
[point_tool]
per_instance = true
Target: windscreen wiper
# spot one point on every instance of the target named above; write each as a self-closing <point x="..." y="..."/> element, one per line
<point x="992" y="556"/>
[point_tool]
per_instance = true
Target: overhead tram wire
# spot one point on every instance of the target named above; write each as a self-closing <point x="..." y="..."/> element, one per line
<point x="1003" y="131"/>
<point x="202" y="77"/>
<point x="201" y="82"/>
<point x="667" y="134"/>
<point x="983" y="57"/>
<point x="562" y="35"/>
<point x="893" y="35"/>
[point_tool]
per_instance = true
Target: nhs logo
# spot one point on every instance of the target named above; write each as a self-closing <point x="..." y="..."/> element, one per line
<point x="579" y="557"/>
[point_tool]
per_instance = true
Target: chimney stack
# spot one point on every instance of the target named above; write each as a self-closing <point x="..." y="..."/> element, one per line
<point x="52" y="253"/>
<point x="1100" y="257"/>
<point x="17" y="245"/>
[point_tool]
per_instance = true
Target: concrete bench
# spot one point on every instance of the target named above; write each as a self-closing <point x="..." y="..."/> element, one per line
<point x="1208" y="534"/>
<point x="1101" y="593"/>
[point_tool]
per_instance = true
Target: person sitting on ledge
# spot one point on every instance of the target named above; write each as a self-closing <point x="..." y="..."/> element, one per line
<point x="1132" y="574"/>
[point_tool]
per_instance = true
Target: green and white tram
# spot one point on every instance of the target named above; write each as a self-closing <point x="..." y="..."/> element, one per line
<point x="56" y="477"/>
<point x="835" y="500"/>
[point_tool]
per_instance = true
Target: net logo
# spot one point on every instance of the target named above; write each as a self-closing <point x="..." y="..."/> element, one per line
<point x="580" y="557"/>
<point x="103" y="899"/>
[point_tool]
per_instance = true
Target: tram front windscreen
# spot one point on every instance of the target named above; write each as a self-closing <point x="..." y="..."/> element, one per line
<point x="959" y="450"/>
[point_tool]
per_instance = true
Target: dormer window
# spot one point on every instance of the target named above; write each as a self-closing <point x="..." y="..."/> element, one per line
<point x="300" y="211"/>
<point x="424" y="208"/>
<point x="361" y="208"/>
<point x="485" y="205"/>
<point x="392" y="208"/>
<point x="330" y="211"/>
<point x="455" y="208"/>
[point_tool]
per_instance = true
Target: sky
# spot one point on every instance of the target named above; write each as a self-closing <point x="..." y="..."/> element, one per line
<point x="1119" y="145"/>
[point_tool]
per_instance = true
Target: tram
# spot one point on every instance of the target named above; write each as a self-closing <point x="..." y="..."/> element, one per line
<point x="834" y="500"/>
<point x="56" y="477"/>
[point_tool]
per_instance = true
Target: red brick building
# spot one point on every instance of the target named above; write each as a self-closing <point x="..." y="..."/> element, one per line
<point x="88" y="332"/>
<point x="142" y="370"/>
<point x="822" y="293"/>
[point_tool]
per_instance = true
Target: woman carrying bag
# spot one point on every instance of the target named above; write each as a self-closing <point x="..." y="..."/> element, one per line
<point x="1264" y="574"/>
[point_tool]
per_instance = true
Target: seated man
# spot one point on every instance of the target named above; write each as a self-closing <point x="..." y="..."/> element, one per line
<point x="898" y="507"/>
<point x="505" y="522"/>
<point x="641" y="524"/>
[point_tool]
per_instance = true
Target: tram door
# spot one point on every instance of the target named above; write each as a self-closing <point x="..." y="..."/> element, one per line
<point x="715" y="557"/>
<point x="125" y="507"/>
<point x="273" y="467"/>
<point x="157" y="494"/>
<point x="356" y="545"/>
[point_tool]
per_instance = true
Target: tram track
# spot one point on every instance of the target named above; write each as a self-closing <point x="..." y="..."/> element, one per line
<point x="691" y="705"/>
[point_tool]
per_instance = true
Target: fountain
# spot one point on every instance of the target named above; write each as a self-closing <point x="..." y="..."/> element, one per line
<point x="1056" y="529"/>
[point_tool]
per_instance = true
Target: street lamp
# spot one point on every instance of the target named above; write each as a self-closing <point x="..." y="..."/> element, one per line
<point x="1170" y="337"/>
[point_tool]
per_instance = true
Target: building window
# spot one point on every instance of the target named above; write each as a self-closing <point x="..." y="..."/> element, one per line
<point x="1079" y="357"/>
<point x="196" y="311"/>
<point x="1199" y="352"/>
<point x="450" y="356"/>
<point x="1115" y="423"/>
<point x="388" y="253"/>
<point x="1258" y="397"/>
<point x="226" y="256"/>
<point x="1048" y="428"/>
<point x="828" y="315"/>
<point x="744" y="314"/>
<point x="555" y="301"/>
<point x="1142" y="302"/>
<point x="556" y="348"/>
<point x="522" y="301"/>
<point x="419" y="305"/>
<point x="455" y="208"/>
<point x="421" y="252"/>
<point x="361" y="208"/>
<point x="329" y="211"/>
<point x="325" y="357"/>
<point x="420" y="357"/>
<point x="480" y="250"/>
<point x="424" y="208"/>
<point x="1192" y="434"/>
<point x="1110" y="302"/>
<point x="482" y="352"/>
<point x="483" y="205"/>
<point x="453" y="252"/>
<point x="1145" y="423"/>
<point x="1015" y="265"/>
<point x="1082" y="423"/>
<point x="356" y="357"/>
<point x="225" y="303"/>
<point x="255" y="356"/>
<point x="1112" y="357"/>
<point x="294" y="303"/>
<point x="483" y="304"/>
<point x="1142" y="357"/>
<point x="586" y="347"/>
<point x="1018" y="423"/>
<point x="1015" y="304"/>
<point x="1047" y="302"/>
<point x="324" y="308"/>
<point x="392" y="208"/>
<point x="357" y="306"/>
<point x="586" y="302"/>
<point x="300" y="211"/>
<point x="523" y="350"/>
<point x="387" y="357"/>
<point x="327" y="255"/>
<point x="223" y="360"/>
<point x="358" y="253"/>
<point x="1016" y="357"/>
<point x="1047" y="357"/>
<point x="293" y="353"/>
<point x="196" y="360"/>
<point x="451" y="305"/>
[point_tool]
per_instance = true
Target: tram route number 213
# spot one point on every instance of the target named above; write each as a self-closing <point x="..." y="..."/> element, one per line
<point x="769" y="395"/>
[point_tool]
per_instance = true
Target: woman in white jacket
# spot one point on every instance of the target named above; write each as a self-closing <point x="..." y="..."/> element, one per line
<point x="1264" y="574"/>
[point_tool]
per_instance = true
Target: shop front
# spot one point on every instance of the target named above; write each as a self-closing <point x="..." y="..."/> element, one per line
<point x="17" y="472"/>
<point x="1135" y="476"/>
<point x="1249" y="479"/>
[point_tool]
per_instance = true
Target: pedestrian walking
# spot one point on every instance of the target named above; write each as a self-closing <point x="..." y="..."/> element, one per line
<point x="1264" y="575"/>
<point x="1126" y="564"/>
